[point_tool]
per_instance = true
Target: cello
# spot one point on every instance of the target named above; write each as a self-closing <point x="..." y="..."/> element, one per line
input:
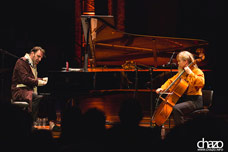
<point x="174" y="91"/>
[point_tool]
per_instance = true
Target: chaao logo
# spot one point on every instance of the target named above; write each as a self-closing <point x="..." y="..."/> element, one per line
<point x="204" y="145"/>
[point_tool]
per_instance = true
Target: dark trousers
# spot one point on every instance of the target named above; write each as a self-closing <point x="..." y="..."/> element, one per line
<point x="47" y="108"/>
<point x="36" y="99"/>
<point x="43" y="106"/>
<point x="185" y="106"/>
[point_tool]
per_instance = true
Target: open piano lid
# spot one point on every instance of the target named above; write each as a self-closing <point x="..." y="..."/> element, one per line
<point x="111" y="47"/>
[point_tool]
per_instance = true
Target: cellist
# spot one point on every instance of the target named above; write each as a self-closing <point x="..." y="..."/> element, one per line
<point x="192" y="98"/>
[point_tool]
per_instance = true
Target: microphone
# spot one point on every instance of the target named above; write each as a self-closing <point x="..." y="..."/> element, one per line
<point x="171" y="58"/>
<point x="170" y="64"/>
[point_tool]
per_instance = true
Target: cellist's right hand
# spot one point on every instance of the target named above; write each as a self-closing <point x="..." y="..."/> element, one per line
<point x="159" y="90"/>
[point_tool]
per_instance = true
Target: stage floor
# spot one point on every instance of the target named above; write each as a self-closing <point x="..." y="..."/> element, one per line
<point x="168" y="125"/>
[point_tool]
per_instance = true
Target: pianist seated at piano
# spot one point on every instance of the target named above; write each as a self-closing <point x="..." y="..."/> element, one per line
<point x="192" y="98"/>
<point x="25" y="80"/>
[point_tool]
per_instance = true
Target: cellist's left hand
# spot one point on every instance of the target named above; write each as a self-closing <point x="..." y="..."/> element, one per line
<point x="188" y="70"/>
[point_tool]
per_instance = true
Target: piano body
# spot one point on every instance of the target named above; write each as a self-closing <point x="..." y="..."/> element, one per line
<point x="120" y="65"/>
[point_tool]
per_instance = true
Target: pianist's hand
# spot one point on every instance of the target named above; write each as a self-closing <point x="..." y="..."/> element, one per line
<point x="45" y="79"/>
<point x="41" y="83"/>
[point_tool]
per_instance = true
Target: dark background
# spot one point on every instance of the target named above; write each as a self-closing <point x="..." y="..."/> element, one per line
<point x="51" y="24"/>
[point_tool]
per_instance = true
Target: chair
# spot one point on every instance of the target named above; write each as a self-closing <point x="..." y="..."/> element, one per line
<point x="207" y="102"/>
<point x="22" y="104"/>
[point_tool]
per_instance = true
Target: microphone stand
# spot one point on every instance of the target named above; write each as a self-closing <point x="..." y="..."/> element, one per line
<point x="151" y="96"/>
<point x="171" y="62"/>
<point x="151" y="91"/>
<point x="136" y="81"/>
<point x="171" y="70"/>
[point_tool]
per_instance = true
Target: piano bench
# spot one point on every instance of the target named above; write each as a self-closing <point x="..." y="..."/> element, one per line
<point x="21" y="104"/>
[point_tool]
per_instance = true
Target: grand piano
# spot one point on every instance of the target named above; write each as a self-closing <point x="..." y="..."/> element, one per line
<point x="118" y="65"/>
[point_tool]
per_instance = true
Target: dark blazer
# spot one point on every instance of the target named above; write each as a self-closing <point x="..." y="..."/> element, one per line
<point x="22" y="74"/>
